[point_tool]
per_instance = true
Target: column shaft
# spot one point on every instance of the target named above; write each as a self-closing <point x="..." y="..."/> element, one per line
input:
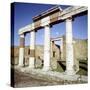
<point x="69" y="48"/>
<point x="21" y="50"/>
<point x="32" y="50"/>
<point x="47" y="48"/>
<point x="61" y="49"/>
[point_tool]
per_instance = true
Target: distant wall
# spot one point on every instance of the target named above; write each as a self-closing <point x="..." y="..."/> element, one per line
<point x="80" y="49"/>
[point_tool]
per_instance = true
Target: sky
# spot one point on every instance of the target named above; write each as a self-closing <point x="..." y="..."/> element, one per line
<point x="23" y="13"/>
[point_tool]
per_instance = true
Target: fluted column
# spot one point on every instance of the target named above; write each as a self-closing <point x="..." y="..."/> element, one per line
<point x="32" y="50"/>
<point x="69" y="48"/>
<point x="46" y="64"/>
<point x="21" y="50"/>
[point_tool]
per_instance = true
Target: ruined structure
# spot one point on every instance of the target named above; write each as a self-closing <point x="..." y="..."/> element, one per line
<point x="46" y="20"/>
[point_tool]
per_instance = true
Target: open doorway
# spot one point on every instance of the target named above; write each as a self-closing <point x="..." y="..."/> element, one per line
<point x="56" y="49"/>
<point x="57" y="54"/>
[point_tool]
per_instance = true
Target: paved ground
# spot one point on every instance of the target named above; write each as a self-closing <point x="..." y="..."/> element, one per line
<point x="24" y="80"/>
<point x="27" y="80"/>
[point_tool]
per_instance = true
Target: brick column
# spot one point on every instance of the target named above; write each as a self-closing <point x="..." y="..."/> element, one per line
<point x="21" y="50"/>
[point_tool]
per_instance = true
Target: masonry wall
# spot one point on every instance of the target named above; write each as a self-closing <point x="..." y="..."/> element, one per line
<point x="80" y="52"/>
<point x="55" y="55"/>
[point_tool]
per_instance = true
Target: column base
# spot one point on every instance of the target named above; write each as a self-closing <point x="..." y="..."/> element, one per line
<point x="70" y="72"/>
<point x="46" y="69"/>
<point x="31" y="62"/>
<point x="20" y="66"/>
<point x="31" y="67"/>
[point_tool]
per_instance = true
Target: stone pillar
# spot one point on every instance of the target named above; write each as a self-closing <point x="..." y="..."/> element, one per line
<point x="61" y="49"/>
<point x="32" y="50"/>
<point x="21" y="50"/>
<point x="69" y="48"/>
<point x="46" y="64"/>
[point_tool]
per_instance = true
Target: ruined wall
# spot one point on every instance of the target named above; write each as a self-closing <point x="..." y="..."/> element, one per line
<point x="81" y="49"/>
<point x="38" y="55"/>
<point x="80" y="53"/>
<point x="55" y="54"/>
<point x="14" y="55"/>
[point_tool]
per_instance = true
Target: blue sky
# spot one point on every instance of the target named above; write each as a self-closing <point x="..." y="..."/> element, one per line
<point x="23" y="16"/>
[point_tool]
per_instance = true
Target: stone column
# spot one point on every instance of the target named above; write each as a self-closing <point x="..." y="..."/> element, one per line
<point x="21" y="50"/>
<point x="46" y="64"/>
<point x="69" y="48"/>
<point x="61" y="49"/>
<point x="32" y="50"/>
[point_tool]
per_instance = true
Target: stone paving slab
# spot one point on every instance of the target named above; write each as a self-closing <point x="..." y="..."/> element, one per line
<point x="53" y="75"/>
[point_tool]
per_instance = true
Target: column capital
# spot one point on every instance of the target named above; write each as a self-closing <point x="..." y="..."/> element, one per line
<point x="48" y="25"/>
<point x="70" y="19"/>
<point x="21" y="35"/>
<point x="32" y="31"/>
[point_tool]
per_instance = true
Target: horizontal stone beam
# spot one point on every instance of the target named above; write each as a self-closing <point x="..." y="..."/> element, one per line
<point x="68" y="12"/>
<point x="47" y="12"/>
<point x="72" y="11"/>
<point x="27" y="28"/>
<point x="56" y="39"/>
